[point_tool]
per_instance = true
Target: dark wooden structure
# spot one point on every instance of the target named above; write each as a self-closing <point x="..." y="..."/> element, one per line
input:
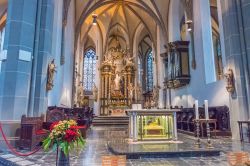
<point x="32" y="132"/>
<point x="241" y="124"/>
<point x="83" y="116"/>
<point x="35" y="129"/>
<point x="177" y="64"/>
<point x="219" y="121"/>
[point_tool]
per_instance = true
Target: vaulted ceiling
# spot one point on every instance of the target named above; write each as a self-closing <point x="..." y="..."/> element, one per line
<point x="123" y="17"/>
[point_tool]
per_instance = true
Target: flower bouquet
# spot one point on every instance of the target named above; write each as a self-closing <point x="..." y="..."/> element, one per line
<point x="66" y="136"/>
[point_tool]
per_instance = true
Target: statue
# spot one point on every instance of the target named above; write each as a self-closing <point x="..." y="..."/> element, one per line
<point x="95" y="92"/>
<point x="130" y="92"/>
<point x="80" y="96"/>
<point x="50" y="75"/>
<point x="230" y="81"/>
<point x="138" y="92"/>
<point x="117" y="81"/>
<point x="116" y="87"/>
<point x="156" y="95"/>
<point x="129" y="60"/>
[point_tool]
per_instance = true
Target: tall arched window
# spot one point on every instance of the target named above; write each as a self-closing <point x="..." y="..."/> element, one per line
<point x="149" y="86"/>
<point x="216" y="39"/>
<point x="89" y="69"/>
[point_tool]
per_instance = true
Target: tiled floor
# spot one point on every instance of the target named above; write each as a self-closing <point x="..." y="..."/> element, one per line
<point x="97" y="146"/>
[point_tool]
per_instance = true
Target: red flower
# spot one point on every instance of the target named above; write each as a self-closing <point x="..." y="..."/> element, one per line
<point x="70" y="135"/>
<point x="53" y="125"/>
<point x="74" y="127"/>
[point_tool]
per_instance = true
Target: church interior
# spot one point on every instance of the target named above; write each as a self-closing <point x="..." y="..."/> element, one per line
<point x="124" y="82"/>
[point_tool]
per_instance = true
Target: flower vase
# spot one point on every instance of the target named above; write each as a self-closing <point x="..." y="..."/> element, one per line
<point x="63" y="159"/>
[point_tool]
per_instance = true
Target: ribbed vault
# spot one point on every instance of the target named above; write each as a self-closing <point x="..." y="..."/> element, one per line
<point x="123" y="17"/>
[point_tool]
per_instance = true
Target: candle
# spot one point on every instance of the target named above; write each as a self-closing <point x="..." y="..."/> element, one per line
<point x="196" y="110"/>
<point x="206" y="109"/>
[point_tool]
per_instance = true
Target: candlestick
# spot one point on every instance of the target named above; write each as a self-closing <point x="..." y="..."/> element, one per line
<point x="198" y="141"/>
<point x="196" y="110"/>
<point x="209" y="143"/>
<point x="206" y="109"/>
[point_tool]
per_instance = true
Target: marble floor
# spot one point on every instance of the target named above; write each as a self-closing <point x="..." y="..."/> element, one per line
<point x="96" y="147"/>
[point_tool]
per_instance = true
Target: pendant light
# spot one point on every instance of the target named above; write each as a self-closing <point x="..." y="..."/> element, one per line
<point x="94" y="16"/>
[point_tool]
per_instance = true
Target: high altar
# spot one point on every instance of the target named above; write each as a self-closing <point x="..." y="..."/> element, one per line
<point x="117" y="82"/>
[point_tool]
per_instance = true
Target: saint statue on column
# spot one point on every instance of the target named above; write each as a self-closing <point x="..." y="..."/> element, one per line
<point x="50" y="75"/>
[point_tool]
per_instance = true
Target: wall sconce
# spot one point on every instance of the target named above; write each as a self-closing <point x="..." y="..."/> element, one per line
<point x="189" y="25"/>
<point x="230" y="81"/>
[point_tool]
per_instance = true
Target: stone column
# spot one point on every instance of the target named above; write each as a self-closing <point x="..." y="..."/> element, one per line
<point x="175" y="136"/>
<point x="134" y="127"/>
<point x="17" y="62"/>
<point x="160" y="70"/>
<point x="131" y="127"/>
<point x="236" y="58"/>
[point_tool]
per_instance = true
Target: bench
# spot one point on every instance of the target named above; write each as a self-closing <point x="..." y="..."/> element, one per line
<point x="219" y="117"/>
<point x="55" y="114"/>
<point x="32" y="132"/>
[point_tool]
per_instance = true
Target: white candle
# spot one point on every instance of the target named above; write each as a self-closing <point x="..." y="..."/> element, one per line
<point x="196" y="110"/>
<point x="206" y="109"/>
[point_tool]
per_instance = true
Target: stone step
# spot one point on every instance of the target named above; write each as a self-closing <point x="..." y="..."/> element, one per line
<point x="110" y="120"/>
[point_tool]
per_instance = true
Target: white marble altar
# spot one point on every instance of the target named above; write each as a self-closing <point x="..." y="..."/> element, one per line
<point x="141" y="119"/>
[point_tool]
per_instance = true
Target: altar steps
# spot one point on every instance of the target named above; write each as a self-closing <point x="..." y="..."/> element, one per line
<point x="110" y="120"/>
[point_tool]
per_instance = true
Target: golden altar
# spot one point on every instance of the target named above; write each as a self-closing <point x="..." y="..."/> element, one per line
<point x="117" y="79"/>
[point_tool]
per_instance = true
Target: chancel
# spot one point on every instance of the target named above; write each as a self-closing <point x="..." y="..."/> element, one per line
<point x="124" y="82"/>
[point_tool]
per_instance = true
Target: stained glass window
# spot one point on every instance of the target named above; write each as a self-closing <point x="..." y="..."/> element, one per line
<point x="149" y="71"/>
<point x="89" y="69"/>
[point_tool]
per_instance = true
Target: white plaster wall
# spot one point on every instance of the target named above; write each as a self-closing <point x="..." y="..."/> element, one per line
<point x="55" y="94"/>
<point x="61" y="93"/>
<point x="214" y="92"/>
<point x="69" y="58"/>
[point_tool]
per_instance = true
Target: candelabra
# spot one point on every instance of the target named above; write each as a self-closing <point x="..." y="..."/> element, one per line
<point x="209" y="144"/>
<point x="198" y="141"/>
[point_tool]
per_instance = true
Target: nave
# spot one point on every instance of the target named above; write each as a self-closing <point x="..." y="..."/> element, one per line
<point x="97" y="146"/>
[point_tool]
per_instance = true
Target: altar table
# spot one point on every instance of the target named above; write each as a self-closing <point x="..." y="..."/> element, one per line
<point x="152" y="124"/>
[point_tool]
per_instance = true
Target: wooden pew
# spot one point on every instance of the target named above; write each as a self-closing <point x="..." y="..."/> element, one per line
<point x="219" y="115"/>
<point x="80" y="115"/>
<point x="32" y="132"/>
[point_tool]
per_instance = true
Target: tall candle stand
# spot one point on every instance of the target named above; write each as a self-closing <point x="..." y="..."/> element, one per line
<point x="209" y="144"/>
<point x="198" y="141"/>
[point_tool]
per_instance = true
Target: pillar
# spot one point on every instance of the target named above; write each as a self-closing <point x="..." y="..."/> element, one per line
<point x="236" y="58"/>
<point x="17" y="64"/>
